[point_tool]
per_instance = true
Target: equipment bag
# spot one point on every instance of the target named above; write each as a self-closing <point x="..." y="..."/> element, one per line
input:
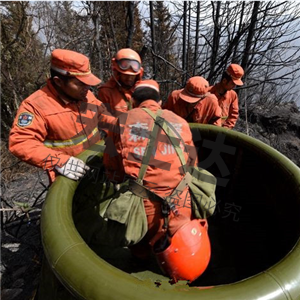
<point x="126" y="218"/>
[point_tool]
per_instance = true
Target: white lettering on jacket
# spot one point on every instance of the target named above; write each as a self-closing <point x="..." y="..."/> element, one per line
<point x="139" y="151"/>
<point x="138" y="131"/>
<point x="168" y="149"/>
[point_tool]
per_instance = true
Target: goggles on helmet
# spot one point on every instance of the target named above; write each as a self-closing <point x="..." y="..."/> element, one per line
<point x="125" y="64"/>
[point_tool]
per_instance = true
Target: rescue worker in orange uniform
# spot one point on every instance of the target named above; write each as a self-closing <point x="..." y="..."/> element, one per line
<point x="194" y="103"/>
<point x="126" y="70"/>
<point x="62" y="119"/>
<point x="227" y="97"/>
<point x="163" y="174"/>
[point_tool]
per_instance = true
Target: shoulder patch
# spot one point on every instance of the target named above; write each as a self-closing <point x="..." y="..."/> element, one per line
<point x="25" y="119"/>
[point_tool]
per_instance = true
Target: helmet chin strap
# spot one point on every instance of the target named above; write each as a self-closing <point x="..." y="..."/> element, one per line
<point x="119" y="83"/>
<point x="116" y="80"/>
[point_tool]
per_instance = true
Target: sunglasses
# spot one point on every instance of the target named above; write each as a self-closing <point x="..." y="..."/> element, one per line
<point x="125" y="64"/>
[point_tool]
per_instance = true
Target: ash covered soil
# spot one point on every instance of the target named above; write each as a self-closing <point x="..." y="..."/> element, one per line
<point x="21" y="248"/>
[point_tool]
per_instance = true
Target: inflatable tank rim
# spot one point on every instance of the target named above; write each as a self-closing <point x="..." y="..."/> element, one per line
<point x="87" y="276"/>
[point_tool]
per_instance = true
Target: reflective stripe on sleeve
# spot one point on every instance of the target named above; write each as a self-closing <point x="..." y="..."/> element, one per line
<point x="71" y="142"/>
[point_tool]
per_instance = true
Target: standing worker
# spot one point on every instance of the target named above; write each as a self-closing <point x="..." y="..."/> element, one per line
<point x="126" y="70"/>
<point x="62" y="119"/>
<point x="142" y="144"/>
<point x="194" y="103"/>
<point x="227" y="97"/>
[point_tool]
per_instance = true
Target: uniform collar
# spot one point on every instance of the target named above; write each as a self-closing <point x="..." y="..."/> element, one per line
<point x="151" y="104"/>
<point x="126" y="92"/>
<point x="217" y="88"/>
<point x="62" y="98"/>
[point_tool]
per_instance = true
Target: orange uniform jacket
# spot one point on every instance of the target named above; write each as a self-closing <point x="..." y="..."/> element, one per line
<point x="205" y="111"/>
<point x="46" y="131"/>
<point x="116" y="98"/>
<point x="229" y="104"/>
<point x="163" y="173"/>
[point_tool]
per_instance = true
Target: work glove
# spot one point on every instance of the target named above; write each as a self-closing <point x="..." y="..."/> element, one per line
<point x="74" y="168"/>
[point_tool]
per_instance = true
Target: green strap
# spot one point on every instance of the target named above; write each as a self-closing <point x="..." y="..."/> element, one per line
<point x="161" y="122"/>
<point x="149" y="148"/>
<point x="129" y="104"/>
<point x="170" y="131"/>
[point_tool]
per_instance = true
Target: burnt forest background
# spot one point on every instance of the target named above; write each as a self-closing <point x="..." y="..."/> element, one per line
<point x="176" y="40"/>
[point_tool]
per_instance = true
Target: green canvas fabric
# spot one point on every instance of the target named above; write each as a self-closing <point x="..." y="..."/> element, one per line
<point x="202" y="188"/>
<point x="126" y="218"/>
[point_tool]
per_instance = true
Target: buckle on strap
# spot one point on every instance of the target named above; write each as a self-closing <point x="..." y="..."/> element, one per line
<point x="165" y="208"/>
<point x="185" y="181"/>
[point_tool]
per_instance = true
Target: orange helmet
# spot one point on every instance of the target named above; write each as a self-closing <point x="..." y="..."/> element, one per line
<point x="127" y="61"/>
<point x="188" y="255"/>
